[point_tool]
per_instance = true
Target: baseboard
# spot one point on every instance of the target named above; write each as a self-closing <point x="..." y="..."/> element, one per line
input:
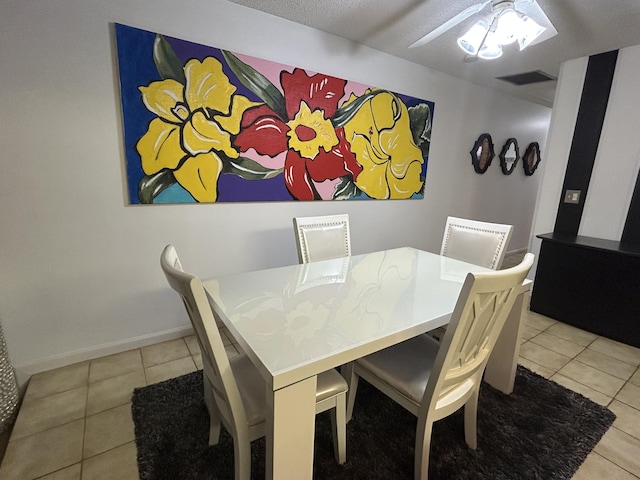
<point x="25" y="370"/>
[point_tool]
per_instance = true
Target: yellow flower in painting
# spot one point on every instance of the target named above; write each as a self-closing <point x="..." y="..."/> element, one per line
<point x="381" y="138"/>
<point x="309" y="131"/>
<point x="195" y="121"/>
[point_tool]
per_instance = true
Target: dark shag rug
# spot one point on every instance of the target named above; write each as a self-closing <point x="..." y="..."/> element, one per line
<point x="541" y="431"/>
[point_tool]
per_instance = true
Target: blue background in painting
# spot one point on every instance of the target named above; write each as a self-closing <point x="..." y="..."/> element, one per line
<point x="137" y="68"/>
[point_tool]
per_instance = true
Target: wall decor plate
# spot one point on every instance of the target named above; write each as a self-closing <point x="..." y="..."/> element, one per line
<point x="509" y="156"/>
<point x="482" y="153"/>
<point x="531" y="158"/>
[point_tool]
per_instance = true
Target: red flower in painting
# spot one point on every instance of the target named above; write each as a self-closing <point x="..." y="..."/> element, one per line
<point x="316" y="150"/>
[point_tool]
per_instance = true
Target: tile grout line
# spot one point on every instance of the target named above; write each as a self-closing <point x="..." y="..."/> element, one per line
<point x="613" y="397"/>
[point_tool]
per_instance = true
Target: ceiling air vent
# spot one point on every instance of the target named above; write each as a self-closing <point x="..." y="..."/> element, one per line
<point x="527" y="78"/>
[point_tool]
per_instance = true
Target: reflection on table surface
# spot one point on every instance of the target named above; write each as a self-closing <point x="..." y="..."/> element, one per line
<point x="293" y="315"/>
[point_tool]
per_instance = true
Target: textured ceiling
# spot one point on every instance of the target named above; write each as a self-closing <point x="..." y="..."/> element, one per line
<point x="585" y="27"/>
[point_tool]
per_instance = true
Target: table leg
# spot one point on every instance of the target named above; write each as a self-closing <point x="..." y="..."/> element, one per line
<point x="501" y="368"/>
<point x="290" y="431"/>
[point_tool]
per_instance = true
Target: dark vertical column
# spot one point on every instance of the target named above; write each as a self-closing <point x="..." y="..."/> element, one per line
<point x="586" y="137"/>
<point x="631" y="232"/>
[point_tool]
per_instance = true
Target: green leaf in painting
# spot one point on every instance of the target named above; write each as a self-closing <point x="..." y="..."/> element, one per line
<point x="247" y="168"/>
<point x="167" y="62"/>
<point x="346" y="189"/>
<point x="420" y="124"/>
<point x="151" y="185"/>
<point x="346" y="113"/>
<point x="258" y="84"/>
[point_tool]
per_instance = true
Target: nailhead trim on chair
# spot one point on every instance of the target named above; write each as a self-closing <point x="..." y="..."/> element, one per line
<point x="304" y="245"/>
<point x="483" y="230"/>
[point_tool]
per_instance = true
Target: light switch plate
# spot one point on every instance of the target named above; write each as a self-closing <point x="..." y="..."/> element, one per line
<point x="572" y="196"/>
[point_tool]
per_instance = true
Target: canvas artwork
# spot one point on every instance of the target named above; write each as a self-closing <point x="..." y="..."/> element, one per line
<point x="207" y="125"/>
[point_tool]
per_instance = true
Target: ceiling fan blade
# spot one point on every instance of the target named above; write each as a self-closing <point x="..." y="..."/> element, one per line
<point x="449" y="24"/>
<point x="532" y="10"/>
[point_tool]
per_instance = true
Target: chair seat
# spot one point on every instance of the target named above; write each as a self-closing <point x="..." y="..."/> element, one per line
<point x="330" y="384"/>
<point x="252" y="387"/>
<point x="406" y="366"/>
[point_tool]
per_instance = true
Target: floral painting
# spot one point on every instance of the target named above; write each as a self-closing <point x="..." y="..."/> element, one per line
<point x="208" y="125"/>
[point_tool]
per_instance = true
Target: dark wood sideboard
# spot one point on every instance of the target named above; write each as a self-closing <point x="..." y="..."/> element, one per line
<point x="591" y="283"/>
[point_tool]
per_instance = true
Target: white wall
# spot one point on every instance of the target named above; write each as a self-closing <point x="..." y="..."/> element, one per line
<point x="79" y="268"/>
<point x="617" y="161"/>
<point x="563" y="122"/>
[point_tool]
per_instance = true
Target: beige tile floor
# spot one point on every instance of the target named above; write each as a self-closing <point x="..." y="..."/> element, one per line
<point x="75" y="422"/>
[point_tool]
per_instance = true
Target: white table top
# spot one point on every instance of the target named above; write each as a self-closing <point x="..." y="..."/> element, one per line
<point x="300" y="320"/>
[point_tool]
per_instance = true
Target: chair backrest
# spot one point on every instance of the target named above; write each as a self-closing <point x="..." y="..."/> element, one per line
<point x="322" y="238"/>
<point x="215" y="362"/>
<point x="482" y="308"/>
<point x="480" y="243"/>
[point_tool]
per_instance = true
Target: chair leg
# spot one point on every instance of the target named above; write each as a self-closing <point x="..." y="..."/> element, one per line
<point x="214" y="416"/>
<point x="423" y="446"/>
<point x="352" y="378"/>
<point x="339" y="428"/>
<point x="241" y="459"/>
<point x="471" y="419"/>
<point x="214" y="429"/>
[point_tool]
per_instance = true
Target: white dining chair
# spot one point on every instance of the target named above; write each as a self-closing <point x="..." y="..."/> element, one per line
<point x="480" y="243"/>
<point x="435" y="379"/>
<point x="322" y="238"/>
<point x="234" y="390"/>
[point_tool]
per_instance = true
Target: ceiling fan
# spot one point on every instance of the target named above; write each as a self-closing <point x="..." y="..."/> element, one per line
<point x="506" y="22"/>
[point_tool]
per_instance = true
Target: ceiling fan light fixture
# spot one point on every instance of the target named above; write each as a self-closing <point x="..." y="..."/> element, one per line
<point x="505" y="25"/>
<point x="490" y="49"/>
<point x="509" y="21"/>
<point x="508" y="26"/>
<point x="530" y="31"/>
<point x="471" y="41"/>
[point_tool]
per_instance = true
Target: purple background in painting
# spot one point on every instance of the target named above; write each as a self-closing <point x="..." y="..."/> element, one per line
<point x="232" y="188"/>
<point x="187" y="51"/>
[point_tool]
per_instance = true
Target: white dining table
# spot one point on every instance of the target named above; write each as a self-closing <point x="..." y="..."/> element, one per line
<point x="297" y="321"/>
